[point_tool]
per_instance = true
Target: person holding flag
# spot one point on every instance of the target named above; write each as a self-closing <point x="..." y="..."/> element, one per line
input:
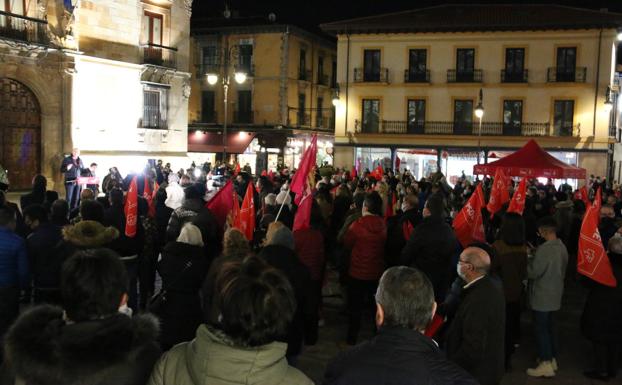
<point x="546" y="271"/>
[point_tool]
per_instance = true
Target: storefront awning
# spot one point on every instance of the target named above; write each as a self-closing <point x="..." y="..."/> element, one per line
<point x="237" y="142"/>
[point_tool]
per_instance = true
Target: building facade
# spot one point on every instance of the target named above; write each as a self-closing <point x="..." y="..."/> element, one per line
<point x="410" y="86"/>
<point x="109" y="77"/>
<point x="286" y="96"/>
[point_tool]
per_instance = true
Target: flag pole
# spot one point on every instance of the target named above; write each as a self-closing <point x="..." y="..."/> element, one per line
<point x="282" y="204"/>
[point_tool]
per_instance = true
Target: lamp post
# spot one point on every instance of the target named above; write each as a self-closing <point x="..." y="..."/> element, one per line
<point x="479" y="112"/>
<point x="229" y="55"/>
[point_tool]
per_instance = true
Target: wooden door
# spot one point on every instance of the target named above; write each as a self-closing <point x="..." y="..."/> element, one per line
<point x="20" y="133"/>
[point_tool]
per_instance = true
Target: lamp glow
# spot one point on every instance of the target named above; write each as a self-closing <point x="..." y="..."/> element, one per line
<point x="240" y="77"/>
<point x="608" y="106"/>
<point x="479" y="111"/>
<point x="619" y="36"/>
<point x="336" y="101"/>
<point x="212" y="79"/>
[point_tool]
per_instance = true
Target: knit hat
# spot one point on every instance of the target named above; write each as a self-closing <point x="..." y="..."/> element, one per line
<point x="89" y="234"/>
<point x="282" y="236"/>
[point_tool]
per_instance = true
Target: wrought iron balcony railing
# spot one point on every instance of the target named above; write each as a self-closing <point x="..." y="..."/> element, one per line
<point x="23" y="28"/>
<point x="514" y="76"/>
<point x="159" y="55"/>
<point x="566" y="75"/>
<point x="412" y="76"/>
<point x="455" y="76"/>
<point x="311" y="118"/>
<point x="244" y="117"/>
<point x="305" y="75"/>
<point x="373" y="75"/>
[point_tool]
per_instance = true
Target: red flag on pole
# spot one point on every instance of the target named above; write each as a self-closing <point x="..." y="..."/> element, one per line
<point x="469" y="225"/>
<point x="499" y="194"/>
<point x="353" y="173"/>
<point x="307" y="164"/>
<point x="221" y="204"/>
<point x="391" y="205"/>
<point x="150" y="196"/>
<point x="593" y="261"/>
<point x="582" y="195"/>
<point x="398" y="163"/>
<point x="237" y="169"/>
<point x="131" y="209"/>
<point x="517" y="204"/>
<point x="244" y="220"/>
<point x="378" y="173"/>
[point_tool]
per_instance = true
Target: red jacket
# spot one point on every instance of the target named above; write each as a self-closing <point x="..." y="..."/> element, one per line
<point x="310" y="249"/>
<point x="366" y="238"/>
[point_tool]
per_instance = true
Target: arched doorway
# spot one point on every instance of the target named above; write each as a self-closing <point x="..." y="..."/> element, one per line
<point x="20" y="133"/>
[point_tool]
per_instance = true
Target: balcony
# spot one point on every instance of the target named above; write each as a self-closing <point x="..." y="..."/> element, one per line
<point x="322" y="80"/>
<point x="514" y="76"/>
<point x="209" y="117"/>
<point x="375" y="75"/>
<point x="243" y="117"/>
<point x="159" y="55"/>
<point x="322" y="117"/>
<point x="152" y="118"/>
<point x="474" y="76"/>
<point x="416" y="76"/>
<point x="400" y="127"/>
<point x="566" y="75"/>
<point x="23" y="29"/>
<point x="305" y="75"/>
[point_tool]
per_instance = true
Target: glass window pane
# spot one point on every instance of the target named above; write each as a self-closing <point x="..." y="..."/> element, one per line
<point x="157" y="31"/>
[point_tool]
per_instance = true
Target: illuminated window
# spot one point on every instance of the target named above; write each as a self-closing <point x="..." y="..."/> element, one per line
<point x="155" y="107"/>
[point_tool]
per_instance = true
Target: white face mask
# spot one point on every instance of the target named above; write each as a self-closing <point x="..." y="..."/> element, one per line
<point x="404" y="207"/>
<point x="459" y="271"/>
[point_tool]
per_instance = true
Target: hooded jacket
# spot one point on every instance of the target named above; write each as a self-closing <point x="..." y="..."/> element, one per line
<point x="366" y="238"/>
<point x="42" y="348"/>
<point x="212" y="359"/>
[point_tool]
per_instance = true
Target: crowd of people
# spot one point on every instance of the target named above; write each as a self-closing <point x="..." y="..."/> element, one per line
<point x="188" y="299"/>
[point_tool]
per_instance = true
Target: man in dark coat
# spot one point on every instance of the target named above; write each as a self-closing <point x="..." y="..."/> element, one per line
<point x="475" y="339"/>
<point x="89" y="341"/>
<point x="607" y="226"/>
<point x="602" y="317"/>
<point x="399" y="353"/>
<point x="431" y="247"/>
<point x="400" y="228"/>
<point x="71" y="168"/>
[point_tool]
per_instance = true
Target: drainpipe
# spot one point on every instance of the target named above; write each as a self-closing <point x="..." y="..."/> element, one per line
<point x="596" y="83"/>
<point x="347" y="85"/>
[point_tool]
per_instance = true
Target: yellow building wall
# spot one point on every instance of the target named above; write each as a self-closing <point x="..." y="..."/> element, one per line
<point x="537" y="96"/>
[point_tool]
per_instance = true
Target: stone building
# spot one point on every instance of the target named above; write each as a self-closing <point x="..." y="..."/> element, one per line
<point x="109" y="77"/>
<point x="410" y="85"/>
<point x="286" y="96"/>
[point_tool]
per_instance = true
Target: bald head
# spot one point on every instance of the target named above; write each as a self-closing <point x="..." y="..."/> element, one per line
<point x="478" y="258"/>
<point x="615" y="245"/>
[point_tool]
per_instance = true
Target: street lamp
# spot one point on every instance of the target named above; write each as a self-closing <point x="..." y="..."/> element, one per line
<point x="336" y="98"/>
<point x="229" y="55"/>
<point x="608" y="101"/>
<point x="479" y="112"/>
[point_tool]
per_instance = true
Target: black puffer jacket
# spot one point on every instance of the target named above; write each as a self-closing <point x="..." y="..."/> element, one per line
<point x="41" y="348"/>
<point x="395" y="356"/>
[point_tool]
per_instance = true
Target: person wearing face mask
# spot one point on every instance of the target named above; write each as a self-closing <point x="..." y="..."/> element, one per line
<point x="545" y="272"/>
<point x="607" y="226"/>
<point x="400" y="227"/>
<point x="475" y="339"/>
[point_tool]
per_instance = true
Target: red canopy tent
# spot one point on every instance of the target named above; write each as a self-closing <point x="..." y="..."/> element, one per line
<point x="531" y="161"/>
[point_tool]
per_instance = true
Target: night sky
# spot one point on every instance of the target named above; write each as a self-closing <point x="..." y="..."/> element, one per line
<point x="310" y="13"/>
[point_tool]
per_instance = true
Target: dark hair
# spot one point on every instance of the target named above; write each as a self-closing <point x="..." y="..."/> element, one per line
<point x="92" y="211"/>
<point x="191" y="192"/>
<point x="373" y="202"/>
<point x="36" y="212"/>
<point x="407" y="298"/>
<point x="358" y="199"/>
<point x="93" y="164"/>
<point x="249" y="301"/>
<point x="7" y="216"/>
<point x="116" y="197"/>
<point x="59" y="210"/>
<point x="436" y="206"/>
<point x="512" y="230"/>
<point x="103" y="202"/>
<point x="547" y="223"/>
<point x="92" y="284"/>
<point x="142" y="206"/>
<point x="2" y="198"/>
<point x="161" y="196"/>
<point x="561" y="196"/>
<point x="39" y="185"/>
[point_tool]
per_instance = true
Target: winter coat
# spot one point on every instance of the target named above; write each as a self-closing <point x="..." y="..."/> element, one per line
<point x="285" y="260"/>
<point x="546" y="272"/>
<point x="395" y="356"/>
<point x="181" y="313"/>
<point x="211" y="358"/>
<point x="14" y="271"/>
<point x="70" y="175"/>
<point x="30" y="199"/>
<point x="174" y="195"/>
<point x="563" y="217"/>
<point x="124" y="245"/>
<point x="399" y="229"/>
<point x="475" y="339"/>
<point x="44" y="263"/>
<point x="366" y="238"/>
<point x="310" y="250"/>
<point x="194" y="211"/>
<point x="431" y="247"/>
<point x="602" y="314"/>
<point x="510" y="265"/>
<point x="42" y="348"/>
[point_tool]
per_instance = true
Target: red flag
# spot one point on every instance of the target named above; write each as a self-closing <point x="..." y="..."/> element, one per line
<point x="592" y="260"/>
<point x="244" y="219"/>
<point x="221" y="204"/>
<point x="353" y="173"/>
<point x="378" y="173"/>
<point x="131" y="209"/>
<point x="150" y="196"/>
<point x="468" y="224"/>
<point x="237" y="169"/>
<point x="391" y="206"/>
<point x="581" y="194"/>
<point x="302" y="219"/>
<point x="499" y="194"/>
<point x="307" y="163"/>
<point x="398" y="162"/>
<point x="598" y="201"/>
<point x="264" y="173"/>
<point x="434" y="326"/>
<point x="517" y="204"/>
